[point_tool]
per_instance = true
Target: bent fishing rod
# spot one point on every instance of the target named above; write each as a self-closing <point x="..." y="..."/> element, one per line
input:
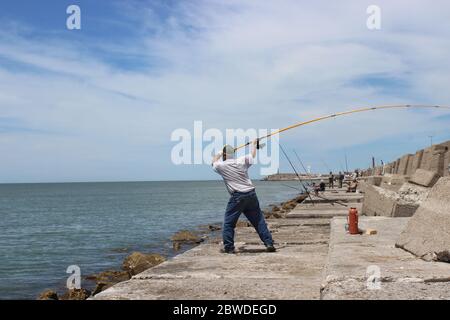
<point x="334" y="115"/>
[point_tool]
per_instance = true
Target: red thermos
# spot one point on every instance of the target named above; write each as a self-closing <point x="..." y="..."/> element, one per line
<point x="353" y="221"/>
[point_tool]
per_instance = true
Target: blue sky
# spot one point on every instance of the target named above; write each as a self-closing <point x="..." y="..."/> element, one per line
<point x="100" y="103"/>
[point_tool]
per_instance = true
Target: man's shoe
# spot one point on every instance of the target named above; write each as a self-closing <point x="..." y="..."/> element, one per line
<point x="227" y="251"/>
<point x="271" y="249"/>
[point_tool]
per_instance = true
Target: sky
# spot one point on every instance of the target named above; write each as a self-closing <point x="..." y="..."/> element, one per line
<point x="101" y="103"/>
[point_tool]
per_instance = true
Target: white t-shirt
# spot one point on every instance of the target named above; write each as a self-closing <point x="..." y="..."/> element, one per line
<point x="235" y="173"/>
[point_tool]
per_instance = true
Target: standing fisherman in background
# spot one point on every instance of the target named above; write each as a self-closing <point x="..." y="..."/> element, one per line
<point x="331" y="180"/>
<point x="341" y="179"/>
<point x="243" y="196"/>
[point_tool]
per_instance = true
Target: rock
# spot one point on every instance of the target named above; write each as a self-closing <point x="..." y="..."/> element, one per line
<point x="110" y="276"/>
<point x="413" y="193"/>
<point x="424" y="178"/>
<point x="137" y="262"/>
<point x="76" y="294"/>
<point x="289" y="205"/>
<point x="102" y="286"/>
<point x="214" y="227"/>
<point x="48" y="295"/>
<point x="242" y="224"/>
<point x="176" y="245"/>
<point x="300" y="198"/>
<point x="275" y="209"/>
<point x="186" y="236"/>
<point x="276" y="215"/>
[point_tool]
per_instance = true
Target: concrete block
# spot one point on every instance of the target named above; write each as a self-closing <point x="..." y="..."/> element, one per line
<point x="445" y="170"/>
<point x="403" y="165"/>
<point x="388" y="168"/>
<point x="434" y="157"/>
<point x="446" y="164"/>
<point x="437" y="161"/>
<point x="382" y="202"/>
<point x="424" y="178"/>
<point x="409" y="168"/>
<point x="397" y="163"/>
<point x="403" y="276"/>
<point x="393" y="182"/>
<point x="426" y="158"/>
<point x="362" y="186"/>
<point x="378" y="171"/>
<point x="416" y="161"/>
<point x="427" y="234"/>
<point x="374" y="180"/>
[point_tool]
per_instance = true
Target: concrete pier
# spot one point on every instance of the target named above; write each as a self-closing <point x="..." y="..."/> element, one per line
<point x="371" y="267"/>
<point x="293" y="272"/>
<point x="316" y="258"/>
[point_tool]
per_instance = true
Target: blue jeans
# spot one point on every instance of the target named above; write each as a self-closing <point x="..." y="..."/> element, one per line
<point x="247" y="203"/>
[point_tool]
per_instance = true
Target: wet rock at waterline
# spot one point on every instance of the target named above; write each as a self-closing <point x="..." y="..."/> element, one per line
<point x="48" y="295"/>
<point x="137" y="262"/>
<point x="76" y="294"/>
<point x="186" y="236"/>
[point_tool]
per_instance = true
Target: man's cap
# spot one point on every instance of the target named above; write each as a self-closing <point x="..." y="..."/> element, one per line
<point x="228" y="151"/>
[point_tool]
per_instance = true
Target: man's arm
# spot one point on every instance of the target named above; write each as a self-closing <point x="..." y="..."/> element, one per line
<point x="216" y="157"/>
<point x="254" y="148"/>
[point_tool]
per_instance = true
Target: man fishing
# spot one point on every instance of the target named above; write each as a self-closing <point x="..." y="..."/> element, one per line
<point x="331" y="180"/>
<point x="243" y="196"/>
<point x="341" y="179"/>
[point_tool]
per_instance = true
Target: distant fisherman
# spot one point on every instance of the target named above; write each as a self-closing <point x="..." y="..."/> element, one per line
<point x="322" y="186"/>
<point x="341" y="179"/>
<point x="331" y="180"/>
<point x="243" y="196"/>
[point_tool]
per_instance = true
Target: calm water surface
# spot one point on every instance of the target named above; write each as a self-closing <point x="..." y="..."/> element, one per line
<point x="44" y="228"/>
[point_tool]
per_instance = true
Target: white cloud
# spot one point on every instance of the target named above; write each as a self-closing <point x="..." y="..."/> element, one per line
<point x="231" y="64"/>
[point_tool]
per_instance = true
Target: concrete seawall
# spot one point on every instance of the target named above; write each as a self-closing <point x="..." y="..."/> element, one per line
<point x="435" y="158"/>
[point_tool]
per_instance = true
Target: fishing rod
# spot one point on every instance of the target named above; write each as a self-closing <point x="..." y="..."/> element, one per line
<point x="326" y="165"/>
<point x="342" y="168"/>
<point x="332" y="201"/>
<point x="286" y="185"/>
<point x="301" y="163"/>
<point x="300" y="180"/>
<point x="346" y="162"/>
<point x="296" y="173"/>
<point x="304" y="168"/>
<point x="334" y="115"/>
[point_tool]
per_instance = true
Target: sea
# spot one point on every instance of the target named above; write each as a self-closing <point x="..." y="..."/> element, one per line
<point x="47" y="227"/>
